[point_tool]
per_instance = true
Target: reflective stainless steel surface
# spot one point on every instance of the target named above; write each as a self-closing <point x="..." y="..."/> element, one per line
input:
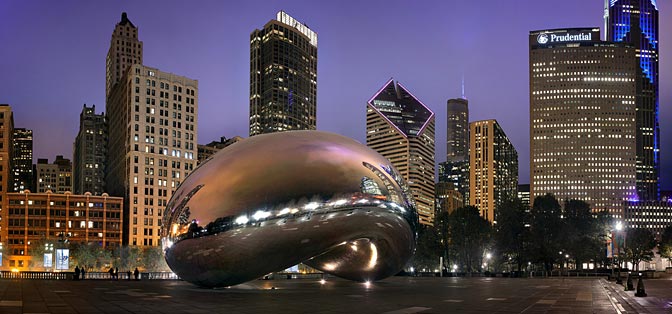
<point x="272" y="201"/>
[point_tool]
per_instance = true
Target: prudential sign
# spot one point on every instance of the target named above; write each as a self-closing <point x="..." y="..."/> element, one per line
<point x="545" y="38"/>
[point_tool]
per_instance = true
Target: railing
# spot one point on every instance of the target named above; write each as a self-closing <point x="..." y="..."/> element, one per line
<point x="44" y="275"/>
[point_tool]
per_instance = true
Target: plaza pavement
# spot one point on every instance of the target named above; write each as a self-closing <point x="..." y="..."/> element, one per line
<point x="396" y="295"/>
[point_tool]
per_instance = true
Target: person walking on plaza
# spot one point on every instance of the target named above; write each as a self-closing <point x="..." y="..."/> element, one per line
<point x="116" y="273"/>
<point x="76" y="273"/>
<point x="136" y="273"/>
<point x="111" y="272"/>
<point x="83" y="272"/>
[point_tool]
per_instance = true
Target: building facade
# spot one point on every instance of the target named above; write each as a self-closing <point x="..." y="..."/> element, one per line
<point x="456" y="173"/>
<point x="125" y="51"/>
<point x="652" y="215"/>
<point x="524" y="194"/>
<point x="6" y="153"/>
<point x="207" y="150"/>
<point x="401" y="128"/>
<point x="90" y="152"/>
<point x="36" y="218"/>
<point x="635" y="22"/>
<point x="582" y="118"/>
<point x="22" y="170"/>
<point x="283" y="77"/>
<point x="457" y="139"/>
<point x="153" y="124"/>
<point x="55" y="177"/>
<point x="493" y="164"/>
<point x="448" y="198"/>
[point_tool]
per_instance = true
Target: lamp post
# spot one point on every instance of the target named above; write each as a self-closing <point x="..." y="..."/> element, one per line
<point x="618" y="227"/>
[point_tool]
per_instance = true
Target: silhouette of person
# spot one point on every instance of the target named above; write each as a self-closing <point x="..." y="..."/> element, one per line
<point x="83" y="272"/>
<point x="111" y="271"/>
<point x="136" y="273"/>
<point x="76" y="273"/>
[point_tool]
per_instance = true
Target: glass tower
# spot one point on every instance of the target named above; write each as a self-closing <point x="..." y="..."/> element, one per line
<point x="636" y="22"/>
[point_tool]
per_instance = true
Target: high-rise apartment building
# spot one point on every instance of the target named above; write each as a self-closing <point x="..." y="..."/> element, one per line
<point x="125" y="51"/>
<point x="457" y="174"/>
<point x="582" y="118"/>
<point x="207" y="150"/>
<point x="22" y="170"/>
<point x="635" y="22"/>
<point x="493" y="165"/>
<point x="457" y="142"/>
<point x="90" y="152"/>
<point x="152" y="118"/>
<point x="55" y="177"/>
<point x="6" y="153"/>
<point x="401" y="128"/>
<point x="283" y="77"/>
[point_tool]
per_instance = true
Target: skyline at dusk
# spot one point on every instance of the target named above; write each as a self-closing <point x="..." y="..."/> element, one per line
<point x="53" y="60"/>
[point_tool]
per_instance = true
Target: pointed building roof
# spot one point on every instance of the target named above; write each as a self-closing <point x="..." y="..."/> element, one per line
<point x="125" y="20"/>
<point x="401" y="108"/>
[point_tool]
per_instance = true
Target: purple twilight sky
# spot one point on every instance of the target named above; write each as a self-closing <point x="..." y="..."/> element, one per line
<point x="52" y="59"/>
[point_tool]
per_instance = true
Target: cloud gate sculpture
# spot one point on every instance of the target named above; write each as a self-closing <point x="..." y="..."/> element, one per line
<point x="272" y="201"/>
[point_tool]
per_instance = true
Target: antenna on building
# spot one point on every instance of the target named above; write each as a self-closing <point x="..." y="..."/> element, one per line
<point x="463" y="97"/>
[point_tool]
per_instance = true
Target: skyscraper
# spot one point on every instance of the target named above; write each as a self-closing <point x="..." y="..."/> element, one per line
<point x="152" y="118"/>
<point x="22" y="170"/>
<point x="125" y="50"/>
<point x="90" y="152"/>
<point x="283" y="77"/>
<point x="582" y="118"/>
<point x="493" y="168"/>
<point x="401" y="128"/>
<point x="207" y="150"/>
<point x="6" y="151"/>
<point x="636" y="22"/>
<point x="457" y="142"/>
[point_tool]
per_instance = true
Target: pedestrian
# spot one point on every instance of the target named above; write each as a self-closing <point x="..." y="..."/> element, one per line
<point x="111" y="272"/>
<point x="76" y="273"/>
<point x="129" y="274"/>
<point x="136" y="273"/>
<point x="83" y="272"/>
<point x="116" y="273"/>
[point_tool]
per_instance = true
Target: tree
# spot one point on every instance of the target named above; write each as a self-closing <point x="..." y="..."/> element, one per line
<point x="545" y="230"/>
<point x="36" y="250"/>
<point x="639" y="244"/>
<point x="584" y="236"/>
<point x="665" y="246"/>
<point x="91" y="255"/>
<point x="441" y="224"/>
<point x="127" y="257"/>
<point x="511" y="234"/>
<point x="470" y="236"/>
<point x="152" y="259"/>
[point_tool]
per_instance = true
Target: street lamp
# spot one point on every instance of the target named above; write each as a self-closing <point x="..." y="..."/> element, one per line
<point x="618" y="227"/>
<point x="487" y="261"/>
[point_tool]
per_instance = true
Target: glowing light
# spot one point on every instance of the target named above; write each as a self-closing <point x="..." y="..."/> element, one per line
<point x="322" y="281"/>
<point x="284" y="211"/>
<point x="14" y="270"/>
<point x="242" y="220"/>
<point x="260" y="214"/>
<point x="367" y="284"/>
<point x="311" y="206"/>
<point x="339" y="202"/>
<point x="374" y="256"/>
<point x="619" y="226"/>
<point x="330" y="266"/>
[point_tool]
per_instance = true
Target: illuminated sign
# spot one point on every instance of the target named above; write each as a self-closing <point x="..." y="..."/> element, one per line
<point x="47" y="260"/>
<point x="62" y="259"/>
<point x="553" y="38"/>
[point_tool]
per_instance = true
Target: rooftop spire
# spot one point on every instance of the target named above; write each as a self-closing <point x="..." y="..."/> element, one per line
<point x="125" y="20"/>
<point x="463" y="97"/>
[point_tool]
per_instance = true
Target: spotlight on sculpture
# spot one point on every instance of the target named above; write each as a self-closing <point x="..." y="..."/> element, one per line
<point x="272" y="201"/>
